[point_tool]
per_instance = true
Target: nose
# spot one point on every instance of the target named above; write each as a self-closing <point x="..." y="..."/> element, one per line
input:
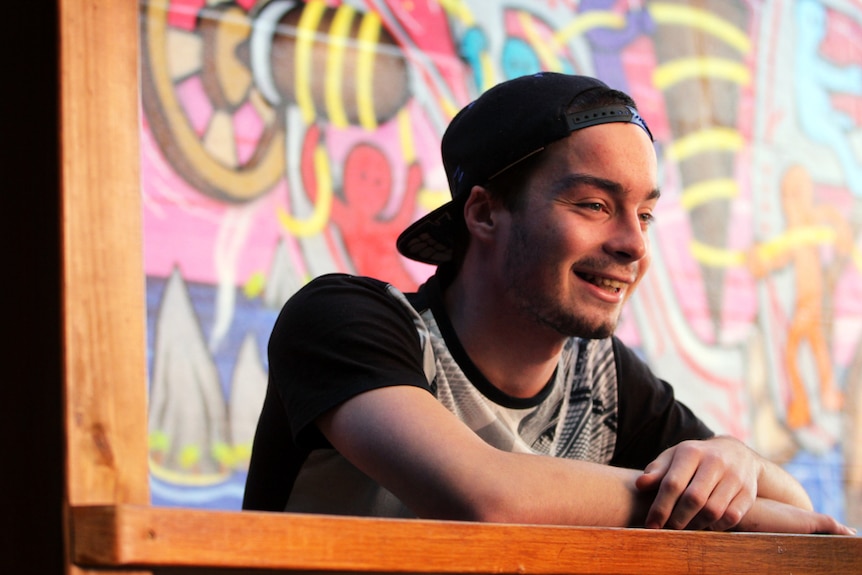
<point x="628" y="240"/>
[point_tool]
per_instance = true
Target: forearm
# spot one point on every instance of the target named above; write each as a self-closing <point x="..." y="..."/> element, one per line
<point x="548" y="490"/>
<point x="777" y="484"/>
<point x="402" y="438"/>
<point x="486" y="484"/>
<point x="767" y="515"/>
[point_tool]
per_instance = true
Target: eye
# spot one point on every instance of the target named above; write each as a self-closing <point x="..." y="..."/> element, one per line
<point x="592" y="206"/>
<point x="647" y="218"/>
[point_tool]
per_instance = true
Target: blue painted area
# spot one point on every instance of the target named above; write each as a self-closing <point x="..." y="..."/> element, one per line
<point x="822" y="476"/>
<point x="227" y="495"/>
<point x="473" y="44"/>
<point x="519" y="59"/>
<point x="817" y="79"/>
<point x="250" y="316"/>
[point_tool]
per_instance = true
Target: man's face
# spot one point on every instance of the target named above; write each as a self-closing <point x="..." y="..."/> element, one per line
<point x="579" y="246"/>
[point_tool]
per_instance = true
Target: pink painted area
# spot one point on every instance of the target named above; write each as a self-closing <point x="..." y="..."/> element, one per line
<point x="747" y="109"/>
<point x="847" y="301"/>
<point x="842" y="46"/>
<point x="181" y="225"/>
<point x="846" y="338"/>
<point x="424" y="24"/>
<point x="513" y="24"/>
<point x="186" y="229"/>
<point x="247" y="128"/>
<point x="183" y="13"/>
<point x="674" y="243"/>
<point x="837" y="196"/>
<point x="850" y="104"/>
<point x="847" y="329"/>
<point x="247" y="4"/>
<point x="841" y="43"/>
<point x="639" y="62"/>
<point x="739" y="306"/>
<point x="196" y="106"/>
<point x="627" y="329"/>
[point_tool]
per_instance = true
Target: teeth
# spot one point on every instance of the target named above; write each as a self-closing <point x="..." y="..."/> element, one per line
<point x="604" y="282"/>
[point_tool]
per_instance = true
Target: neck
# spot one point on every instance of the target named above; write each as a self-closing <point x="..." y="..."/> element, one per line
<point x="517" y="355"/>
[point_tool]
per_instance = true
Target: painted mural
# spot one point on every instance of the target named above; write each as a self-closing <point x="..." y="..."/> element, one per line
<point x="285" y="139"/>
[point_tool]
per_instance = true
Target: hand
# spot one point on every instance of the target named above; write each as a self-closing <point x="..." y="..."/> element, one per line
<point x="775" y="517"/>
<point x="709" y="484"/>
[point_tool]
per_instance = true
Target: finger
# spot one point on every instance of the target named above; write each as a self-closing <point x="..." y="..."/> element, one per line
<point x="827" y="525"/>
<point x="735" y="510"/>
<point x="653" y="473"/>
<point x="729" y="501"/>
<point x="649" y="480"/>
<point x="714" y="520"/>
<point x="712" y="494"/>
<point x="662" y="462"/>
<point x="673" y="485"/>
<point x="701" y="496"/>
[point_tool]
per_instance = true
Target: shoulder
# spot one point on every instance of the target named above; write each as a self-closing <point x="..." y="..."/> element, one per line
<point x="631" y="368"/>
<point x="342" y="303"/>
<point x="638" y="384"/>
<point x="335" y="294"/>
<point x="337" y="286"/>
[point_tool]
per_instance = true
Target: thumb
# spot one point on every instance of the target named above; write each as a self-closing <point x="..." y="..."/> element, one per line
<point x="653" y="473"/>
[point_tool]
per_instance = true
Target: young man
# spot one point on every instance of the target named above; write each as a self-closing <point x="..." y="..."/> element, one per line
<point x="498" y="391"/>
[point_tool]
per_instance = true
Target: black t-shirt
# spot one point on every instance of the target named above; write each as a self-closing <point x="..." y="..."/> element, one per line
<point x="343" y="335"/>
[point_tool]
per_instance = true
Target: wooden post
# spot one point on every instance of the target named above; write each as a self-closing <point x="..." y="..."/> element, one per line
<point x="103" y="281"/>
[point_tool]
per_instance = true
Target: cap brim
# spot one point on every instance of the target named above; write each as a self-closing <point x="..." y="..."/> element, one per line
<point x="429" y="239"/>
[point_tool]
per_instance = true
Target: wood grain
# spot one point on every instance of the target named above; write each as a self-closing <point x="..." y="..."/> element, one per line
<point x="139" y="536"/>
<point x="103" y="281"/>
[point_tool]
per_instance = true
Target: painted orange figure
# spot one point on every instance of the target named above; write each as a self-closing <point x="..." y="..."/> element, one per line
<point x="369" y="231"/>
<point x="361" y="209"/>
<point x="802" y="216"/>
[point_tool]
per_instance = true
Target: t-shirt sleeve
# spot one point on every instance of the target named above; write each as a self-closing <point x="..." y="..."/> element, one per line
<point x="650" y="419"/>
<point x="337" y="337"/>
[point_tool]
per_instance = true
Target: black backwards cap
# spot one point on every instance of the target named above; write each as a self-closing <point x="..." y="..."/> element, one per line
<point x="505" y="125"/>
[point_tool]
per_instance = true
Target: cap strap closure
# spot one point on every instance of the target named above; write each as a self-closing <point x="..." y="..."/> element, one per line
<point x="606" y="115"/>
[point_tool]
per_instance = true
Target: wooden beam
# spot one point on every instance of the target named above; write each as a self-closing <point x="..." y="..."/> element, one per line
<point x="153" y="538"/>
<point x="103" y="280"/>
<point x="103" y="313"/>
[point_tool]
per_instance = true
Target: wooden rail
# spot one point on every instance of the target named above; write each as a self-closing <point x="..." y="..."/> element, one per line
<point x="140" y="536"/>
<point x="110" y="526"/>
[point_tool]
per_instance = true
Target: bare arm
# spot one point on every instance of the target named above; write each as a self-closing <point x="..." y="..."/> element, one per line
<point x="403" y="438"/>
<point x="777" y="484"/>
<point x="776" y="517"/>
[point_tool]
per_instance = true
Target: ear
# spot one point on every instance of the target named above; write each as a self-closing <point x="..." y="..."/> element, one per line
<point x="481" y="213"/>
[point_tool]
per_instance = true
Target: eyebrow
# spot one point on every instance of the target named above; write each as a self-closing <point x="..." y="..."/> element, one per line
<point x="573" y="180"/>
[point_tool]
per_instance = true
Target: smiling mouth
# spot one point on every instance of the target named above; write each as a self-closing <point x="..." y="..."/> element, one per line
<point x="610" y="285"/>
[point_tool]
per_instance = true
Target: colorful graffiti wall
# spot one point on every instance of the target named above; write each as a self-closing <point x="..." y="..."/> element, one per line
<point x="283" y="139"/>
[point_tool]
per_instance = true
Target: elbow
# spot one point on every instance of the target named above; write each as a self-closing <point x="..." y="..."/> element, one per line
<point x="489" y="504"/>
<point x="497" y="504"/>
<point x="491" y="511"/>
<point x="477" y="509"/>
